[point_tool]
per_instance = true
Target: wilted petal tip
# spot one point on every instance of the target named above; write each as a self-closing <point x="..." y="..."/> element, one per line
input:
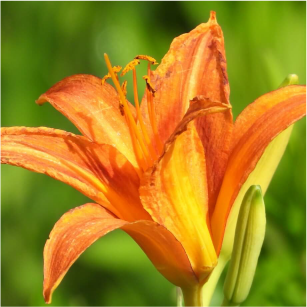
<point x="212" y="18"/>
<point x="41" y="100"/>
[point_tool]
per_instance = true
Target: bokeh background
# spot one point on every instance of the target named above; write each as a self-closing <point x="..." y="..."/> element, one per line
<point x="43" y="42"/>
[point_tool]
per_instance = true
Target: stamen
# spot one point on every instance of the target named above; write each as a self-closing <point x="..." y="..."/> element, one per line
<point x="149" y="89"/>
<point x="129" y="117"/>
<point x="106" y="77"/>
<point x="151" y="110"/>
<point x="141" y="160"/>
<point x="139" y="116"/>
<point x="147" y="58"/>
<point x="150" y="94"/>
<point x="121" y="106"/>
<point x="116" y="69"/>
<point x="149" y="85"/>
<point x="124" y="88"/>
<point x="130" y="66"/>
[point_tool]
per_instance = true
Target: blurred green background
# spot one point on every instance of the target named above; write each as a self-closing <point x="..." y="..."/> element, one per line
<point x="43" y="42"/>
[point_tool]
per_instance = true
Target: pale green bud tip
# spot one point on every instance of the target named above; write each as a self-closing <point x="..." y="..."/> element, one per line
<point x="290" y="80"/>
<point x="248" y="242"/>
<point x="256" y="194"/>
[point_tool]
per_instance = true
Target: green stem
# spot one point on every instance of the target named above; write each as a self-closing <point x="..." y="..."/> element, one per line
<point x="192" y="296"/>
<point x="179" y="297"/>
<point x="210" y="285"/>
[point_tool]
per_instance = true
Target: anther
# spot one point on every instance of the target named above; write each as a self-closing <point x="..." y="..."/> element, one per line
<point x="121" y="106"/>
<point x="115" y="69"/>
<point x="124" y="88"/>
<point x="149" y="85"/>
<point x="130" y="66"/>
<point x="151" y="110"/>
<point x="140" y="119"/>
<point x="147" y="58"/>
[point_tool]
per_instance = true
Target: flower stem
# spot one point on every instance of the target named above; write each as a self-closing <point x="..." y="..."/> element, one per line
<point x="192" y="296"/>
<point x="210" y="285"/>
<point x="179" y="297"/>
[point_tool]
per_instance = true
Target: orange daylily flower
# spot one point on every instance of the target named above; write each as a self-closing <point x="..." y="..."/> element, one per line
<point x="167" y="171"/>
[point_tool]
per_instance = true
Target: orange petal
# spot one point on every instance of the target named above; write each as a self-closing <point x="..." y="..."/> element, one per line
<point x="71" y="236"/>
<point x="80" y="227"/>
<point x="174" y="192"/>
<point x="215" y="132"/>
<point x="200" y="107"/>
<point x="260" y="106"/>
<point x="164" y="251"/>
<point x="98" y="171"/>
<point x="94" y="109"/>
<point x="194" y="65"/>
<point x="255" y="128"/>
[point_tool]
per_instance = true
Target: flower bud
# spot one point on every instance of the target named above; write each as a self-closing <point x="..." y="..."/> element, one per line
<point x="289" y="80"/>
<point x="248" y="241"/>
<point x="262" y="176"/>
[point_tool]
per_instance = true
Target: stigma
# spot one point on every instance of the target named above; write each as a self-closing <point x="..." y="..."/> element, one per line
<point x="146" y="150"/>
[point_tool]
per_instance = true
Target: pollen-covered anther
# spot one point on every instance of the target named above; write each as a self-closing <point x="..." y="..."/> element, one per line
<point x="147" y="58"/>
<point x="116" y="69"/>
<point x="122" y="109"/>
<point x="121" y="106"/>
<point x="124" y="87"/>
<point x="130" y="66"/>
<point x="106" y="77"/>
<point x="149" y="85"/>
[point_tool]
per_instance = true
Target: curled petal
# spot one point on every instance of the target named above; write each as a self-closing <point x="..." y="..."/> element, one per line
<point x="174" y="192"/>
<point x="262" y="105"/>
<point x="98" y="171"/>
<point x="71" y="236"/>
<point x="80" y="227"/>
<point x="199" y="107"/>
<point x="257" y="126"/>
<point x="93" y="108"/>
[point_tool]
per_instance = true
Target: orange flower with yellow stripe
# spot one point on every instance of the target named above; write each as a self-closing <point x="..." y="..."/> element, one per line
<point x="166" y="171"/>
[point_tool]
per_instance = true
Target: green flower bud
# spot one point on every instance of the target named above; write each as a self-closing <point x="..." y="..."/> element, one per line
<point x="261" y="175"/>
<point x="290" y="80"/>
<point x="248" y="241"/>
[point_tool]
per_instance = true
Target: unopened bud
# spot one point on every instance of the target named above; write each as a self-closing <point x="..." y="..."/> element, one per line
<point x="249" y="236"/>
<point x="290" y="80"/>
